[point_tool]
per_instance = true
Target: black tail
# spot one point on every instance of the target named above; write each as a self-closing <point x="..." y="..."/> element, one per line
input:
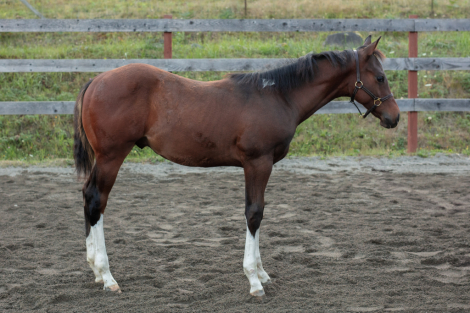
<point x="82" y="151"/>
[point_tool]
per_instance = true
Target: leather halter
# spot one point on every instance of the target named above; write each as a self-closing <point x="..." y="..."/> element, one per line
<point x="359" y="85"/>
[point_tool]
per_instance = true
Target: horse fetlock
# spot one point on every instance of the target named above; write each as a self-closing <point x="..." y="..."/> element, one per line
<point x="263" y="277"/>
<point x="108" y="280"/>
<point x="257" y="291"/>
<point x="91" y="263"/>
<point x="250" y="272"/>
<point x="101" y="264"/>
<point x="102" y="272"/>
<point x="255" y="285"/>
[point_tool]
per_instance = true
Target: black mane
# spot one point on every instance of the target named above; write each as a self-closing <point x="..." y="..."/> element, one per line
<point x="294" y="74"/>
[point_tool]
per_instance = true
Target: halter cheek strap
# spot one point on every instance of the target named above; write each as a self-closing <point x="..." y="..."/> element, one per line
<point x="359" y="85"/>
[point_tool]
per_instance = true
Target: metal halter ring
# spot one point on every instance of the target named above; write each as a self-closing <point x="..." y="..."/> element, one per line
<point x="377" y="102"/>
<point x="359" y="82"/>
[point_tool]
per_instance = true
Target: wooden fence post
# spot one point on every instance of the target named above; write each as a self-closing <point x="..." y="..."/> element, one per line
<point x="413" y="92"/>
<point x="167" y="45"/>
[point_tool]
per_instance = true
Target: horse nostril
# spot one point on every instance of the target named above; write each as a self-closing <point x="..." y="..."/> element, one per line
<point x="388" y="121"/>
<point x="398" y="118"/>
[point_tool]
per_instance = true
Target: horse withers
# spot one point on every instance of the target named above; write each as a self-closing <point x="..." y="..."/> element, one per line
<point x="244" y="120"/>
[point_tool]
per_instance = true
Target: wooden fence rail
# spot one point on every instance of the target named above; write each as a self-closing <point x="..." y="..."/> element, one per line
<point x="180" y="65"/>
<point x="334" y="107"/>
<point x="169" y="25"/>
<point x="233" y="25"/>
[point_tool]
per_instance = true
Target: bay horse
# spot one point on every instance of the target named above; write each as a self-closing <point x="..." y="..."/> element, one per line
<point x="245" y="120"/>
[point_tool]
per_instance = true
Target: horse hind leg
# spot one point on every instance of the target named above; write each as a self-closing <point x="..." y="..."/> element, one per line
<point x="95" y="194"/>
<point x="88" y="190"/>
<point x="97" y="257"/>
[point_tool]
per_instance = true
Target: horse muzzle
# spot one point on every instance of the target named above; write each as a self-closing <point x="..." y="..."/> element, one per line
<point x="388" y="122"/>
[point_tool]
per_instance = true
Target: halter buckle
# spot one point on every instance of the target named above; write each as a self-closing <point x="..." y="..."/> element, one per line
<point x="377" y="102"/>
<point x="359" y="82"/>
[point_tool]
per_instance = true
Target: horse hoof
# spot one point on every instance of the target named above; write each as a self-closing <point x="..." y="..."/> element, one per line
<point x="99" y="280"/>
<point x="114" y="288"/>
<point x="257" y="293"/>
<point x="266" y="282"/>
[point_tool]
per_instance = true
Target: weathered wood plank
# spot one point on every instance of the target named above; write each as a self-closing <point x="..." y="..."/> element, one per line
<point x="99" y="65"/>
<point x="221" y="65"/>
<point x="233" y="25"/>
<point x="456" y="105"/>
<point x="36" y="107"/>
<point x="429" y="64"/>
<point x="340" y="107"/>
<point x="334" y="107"/>
<point x="343" y="107"/>
<point x="443" y="25"/>
<point x="174" y="25"/>
<point x="442" y="64"/>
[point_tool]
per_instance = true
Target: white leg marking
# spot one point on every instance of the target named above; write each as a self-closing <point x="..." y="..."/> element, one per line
<point x="90" y="254"/>
<point x="262" y="275"/>
<point x="97" y="257"/>
<point x="250" y="263"/>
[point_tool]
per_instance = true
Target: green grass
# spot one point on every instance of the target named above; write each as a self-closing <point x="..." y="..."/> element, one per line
<point x="64" y="86"/>
<point x="347" y="134"/>
<point x="235" y="9"/>
<point x="33" y="138"/>
<point x="39" y="138"/>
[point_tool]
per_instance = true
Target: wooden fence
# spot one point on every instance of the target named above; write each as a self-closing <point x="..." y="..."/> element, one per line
<point x="168" y="25"/>
<point x="334" y="107"/>
<point x="244" y="25"/>
<point x="221" y="65"/>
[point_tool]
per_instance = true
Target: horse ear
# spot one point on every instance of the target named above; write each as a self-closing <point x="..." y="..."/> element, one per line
<point x="368" y="40"/>
<point x="369" y="50"/>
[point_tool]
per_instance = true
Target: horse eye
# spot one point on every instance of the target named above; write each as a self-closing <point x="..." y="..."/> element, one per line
<point x="380" y="79"/>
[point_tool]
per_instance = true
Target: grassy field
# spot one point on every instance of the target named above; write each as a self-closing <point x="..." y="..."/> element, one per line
<point x="236" y="9"/>
<point x="39" y="138"/>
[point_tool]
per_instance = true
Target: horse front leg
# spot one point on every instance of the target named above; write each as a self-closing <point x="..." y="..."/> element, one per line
<point x="262" y="275"/>
<point x="257" y="174"/>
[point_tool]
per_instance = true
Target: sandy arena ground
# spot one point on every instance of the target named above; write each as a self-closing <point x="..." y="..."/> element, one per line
<point x="338" y="235"/>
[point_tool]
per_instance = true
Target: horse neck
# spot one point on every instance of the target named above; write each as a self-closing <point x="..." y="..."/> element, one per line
<point x="330" y="83"/>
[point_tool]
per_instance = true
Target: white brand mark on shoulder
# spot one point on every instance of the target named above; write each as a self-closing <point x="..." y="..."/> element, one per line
<point x="267" y="82"/>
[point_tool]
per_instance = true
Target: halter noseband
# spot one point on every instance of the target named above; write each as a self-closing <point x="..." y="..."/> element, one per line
<point x="359" y="85"/>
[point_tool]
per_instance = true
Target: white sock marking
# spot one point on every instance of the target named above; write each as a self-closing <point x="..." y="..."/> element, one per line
<point x="91" y="252"/>
<point x="96" y="255"/>
<point x="262" y="275"/>
<point x="250" y="265"/>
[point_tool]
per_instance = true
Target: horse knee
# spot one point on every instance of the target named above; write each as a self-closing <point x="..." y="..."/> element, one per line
<point x="254" y="215"/>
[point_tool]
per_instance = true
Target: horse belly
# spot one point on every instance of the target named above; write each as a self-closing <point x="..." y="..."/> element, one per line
<point x="194" y="149"/>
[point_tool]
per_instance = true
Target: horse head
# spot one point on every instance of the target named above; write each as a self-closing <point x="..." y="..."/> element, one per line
<point x="371" y="87"/>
